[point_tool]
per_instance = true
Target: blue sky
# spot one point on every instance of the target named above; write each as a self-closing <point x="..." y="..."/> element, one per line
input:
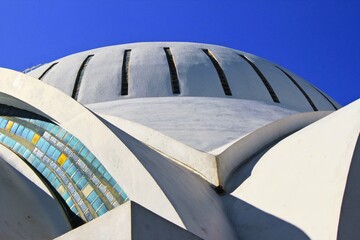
<point x="317" y="39"/>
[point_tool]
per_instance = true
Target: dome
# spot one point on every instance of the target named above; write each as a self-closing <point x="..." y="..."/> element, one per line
<point x="173" y="69"/>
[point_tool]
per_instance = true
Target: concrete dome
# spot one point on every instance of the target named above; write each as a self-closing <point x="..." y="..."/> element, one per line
<point x="171" y="69"/>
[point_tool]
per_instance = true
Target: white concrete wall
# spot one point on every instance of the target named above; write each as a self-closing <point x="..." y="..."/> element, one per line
<point x="149" y="75"/>
<point x="302" y="179"/>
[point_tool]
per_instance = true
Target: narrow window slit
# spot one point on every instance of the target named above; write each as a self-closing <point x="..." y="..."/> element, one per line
<point x="47" y="70"/>
<point x="220" y="72"/>
<point x="125" y="73"/>
<point x="79" y="77"/>
<point x="173" y="73"/>
<point x="263" y="79"/>
<point x="300" y="88"/>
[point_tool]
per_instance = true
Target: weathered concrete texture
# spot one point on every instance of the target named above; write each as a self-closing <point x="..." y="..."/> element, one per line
<point x="149" y="75"/>
<point x="26" y="210"/>
<point x="302" y="179"/>
<point x="129" y="221"/>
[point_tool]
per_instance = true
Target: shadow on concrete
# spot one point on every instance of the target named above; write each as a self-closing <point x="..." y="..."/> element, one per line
<point x="349" y="222"/>
<point x="26" y="211"/>
<point x="252" y="223"/>
<point x="201" y="209"/>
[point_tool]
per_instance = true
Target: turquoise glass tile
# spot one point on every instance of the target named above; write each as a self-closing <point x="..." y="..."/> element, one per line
<point x="66" y="164"/>
<point x="102" y="210"/>
<point x="92" y="196"/>
<point x="51" y="177"/>
<point x="45" y="146"/>
<point x="20" y="130"/>
<point x="61" y="134"/>
<point x="67" y="138"/>
<point x="17" y="146"/>
<point x="73" y="142"/>
<point x="101" y="169"/>
<point x="3" y="123"/>
<point x="82" y="183"/>
<point x="46" y="172"/>
<point x="25" y="133"/>
<point x="41" y="167"/>
<point x="71" y="170"/>
<point x="26" y="153"/>
<point x="30" y="135"/>
<point x="56" y="154"/>
<point x="40" y="142"/>
<point x="14" y="127"/>
<point x="77" y="176"/>
<point x="22" y="150"/>
<point x="95" y="163"/>
<point x="56" y="183"/>
<point x="97" y="203"/>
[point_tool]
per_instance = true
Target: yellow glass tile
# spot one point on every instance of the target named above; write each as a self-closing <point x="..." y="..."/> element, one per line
<point x="9" y="125"/>
<point x="61" y="160"/>
<point x="87" y="190"/>
<point x="35" y="139"/>
<point x="61" y="189"/>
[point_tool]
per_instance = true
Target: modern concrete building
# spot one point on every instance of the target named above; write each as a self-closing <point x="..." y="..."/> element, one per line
<point x="174" y="141"/>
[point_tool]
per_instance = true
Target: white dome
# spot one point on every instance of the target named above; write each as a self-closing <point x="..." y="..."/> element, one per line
<point x="166" y="69"/>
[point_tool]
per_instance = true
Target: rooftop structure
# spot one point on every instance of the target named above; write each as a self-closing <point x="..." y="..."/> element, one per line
<point x="174" y="140"/>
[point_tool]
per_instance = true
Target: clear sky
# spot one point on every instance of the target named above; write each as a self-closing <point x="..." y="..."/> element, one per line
<point x="317" y="39"/>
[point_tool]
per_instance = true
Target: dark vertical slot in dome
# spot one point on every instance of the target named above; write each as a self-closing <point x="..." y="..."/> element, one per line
<point x="220" y="72"/>
<point x="79" y="77"/>
<point x="300" y="88"/>
<point x="326" y="98"/>
<point x="263" y="79"/>
<point x="173" y="73"/>
<point x="125" y="73"/>
<point x="47" y="70"/>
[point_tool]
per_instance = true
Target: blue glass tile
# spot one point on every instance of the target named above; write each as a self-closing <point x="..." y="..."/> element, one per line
<point x="73" y="142"/>
<point x="97" y="203"/>
<point x="107" y="176"/>
<point x="65" y="195"/>
<point x="40" y="142"/>
<point x="26" y="154"/>
<point x="101" y="169"/>
<point x="20" y="130"/>
<point x="77" y="176"/>
<point x="102" y="210"/>
<point x="67" y="138"/>
<point x="14" y="127"/>
<point x="31" y="158"/>
<point x="50" y="151"/>
<point x="82" y="183"/>
<point x="56" y="183"/>
<point x="90" y="157"/>
<point x="49" y="126"/>
<point x="78" y="146"/>
<point x="25" y="132"/>
<point x="51" y="177"/>
<point x="92" y="196"/>
<point x="84" y="152"/>
<point x="56" y="154"/>
<point x="2" y="137"/>
<point x="74" y="209"/>
<point x="17" y="146"/>
<point x="117" y="188"/>
<point x="66" y="164"/>
<point x="22" y="150"/>
<point x="46" y="172"/>
<point x="123" y="195"/>
<point x="30" y="135"/>
<point x="36" y="162"/>
<point x="112" y="182"/>
<point x="70" y="202"/>
<point x="61" y="134"/>
<point x="55" y="130"/>
<point x="3" y="123"/>
<point x="41" y="167"/>
<point x="71" y="170"/>
<point x="45" y="146"/>
<point x="95" y="163"/>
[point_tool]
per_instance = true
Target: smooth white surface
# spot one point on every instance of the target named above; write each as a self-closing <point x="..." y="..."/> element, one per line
<point x="301" y="180"/>
<point x="201" y="123"/>
<point x="149" y="75"/>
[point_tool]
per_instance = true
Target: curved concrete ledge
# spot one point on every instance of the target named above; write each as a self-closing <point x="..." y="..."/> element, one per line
<point x="240" y="151"/>
<point x="199" y="162"/>
<point x="28" y="93"/>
